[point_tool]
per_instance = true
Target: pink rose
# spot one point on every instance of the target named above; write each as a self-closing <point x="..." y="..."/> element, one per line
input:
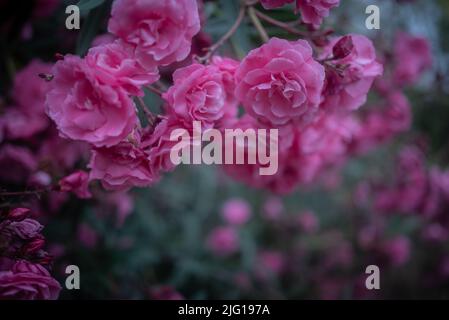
<point x="197" y="94"/>
<point x="160" y="31"/>
<point x="122" y="166"/>
<point x="115" y="65"/>
<point x="272" y="4"/>
<point x="85" y="109"/>
<point x="223" y="241"/>
<point x="26" y="281"/>
<point x="314" y="11"/>
<point x="78" y="183"/>
<point x="349" y="77"/>
<point x="227" y="68"/>
<point x="413" y="56"/>
<point x="158" y="145"/>
<point x="236" y="211"/>
<point x="280" y="82"/>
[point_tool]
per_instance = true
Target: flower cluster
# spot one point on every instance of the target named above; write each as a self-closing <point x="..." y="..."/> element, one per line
<point x="23" y="262"/>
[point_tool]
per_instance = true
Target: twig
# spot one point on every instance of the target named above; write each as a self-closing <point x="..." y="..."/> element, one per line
<point x="36" y="192"/>
<point x="155" y="90"/>
<point x="211" y="50"/>
<point x="150" y="116"/>
<point x="262" y="32"/>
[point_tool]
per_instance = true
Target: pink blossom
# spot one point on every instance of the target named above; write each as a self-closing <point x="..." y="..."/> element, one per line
<point x="270" y="262"/>
<point x="115" y="65"/>
<point x="397" y="250"/>
<point x="19" y="124"/>
<point x="85" y="109"/>
<point x="78" y="183"/>
<point x="19" y="161"/>
<point x="103" y="39"/>
<point x="160" y="31"/>
<point x="158" y="145"/>
<point x="273" y="207"/>
<point x="236" y="211"/>
<point x="314" y="11"/>
<point x="412" y="56"/>
<point x="272" y="4"/>
<point x="349" y="79"/>
<point x="26" y="229"/>
<point x="165" y="293"/>
<point x="18" y="214"/>
<point x="280" y="82"/>
<point x="122" y="166"/>
<point x="87" y="236"/>
<point x="197" y="94"/>
<point x="26" y="281"/>
<point x="223" y="241"/>
<point x="308" y="221"/>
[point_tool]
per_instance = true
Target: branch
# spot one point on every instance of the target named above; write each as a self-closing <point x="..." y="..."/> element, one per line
<point x="36" y="193"/>
<point x="262" y="32"/>
<point x="211" y="51"/>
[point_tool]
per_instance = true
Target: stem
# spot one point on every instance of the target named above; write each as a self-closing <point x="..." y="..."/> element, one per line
<point x="26" y="193"/>
<point x="150" y="116"/>
<point x="262" y="32"/>
<point x="225" y="37"/>
<point x="155" y="90"/>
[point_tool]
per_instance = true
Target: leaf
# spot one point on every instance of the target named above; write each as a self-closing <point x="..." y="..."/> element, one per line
<point x="87" y="5"/>
<point x="90" y="28"/>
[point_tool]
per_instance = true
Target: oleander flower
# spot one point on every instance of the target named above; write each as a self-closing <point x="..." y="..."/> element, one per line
<point x="26" y="229"/>
<point x="351" y="74"/>
<point x="197" y="94"/>
<point x="412" y="57"/>
<point x="20" y="162"/>
<point x="160" y="31"/>
<point x="236" y="211"/>
<point x="280" y="82"/>
<point x="223" y="241"/>
<point x="114" y="64"/>
<point x="314" y="11"/>
<point x="78" y="183"/>
<point x="122" y="166"/>
<point x="27" y="281"/>
<point x="86" y="109"/>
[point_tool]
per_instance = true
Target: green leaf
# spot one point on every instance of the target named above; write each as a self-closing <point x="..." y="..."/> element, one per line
<point x="87" y="5"/>
<point x="90" y="28"/>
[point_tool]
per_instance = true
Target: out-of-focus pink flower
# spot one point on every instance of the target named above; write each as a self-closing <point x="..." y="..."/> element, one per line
<point x="165" y="293"/>
<point x="197" y="94"/>
<point x="272" y="4"/>
<point x="18" y="214"/>
<point x="349" y="79"/>
<point x="223" y="241"/>
<point x="273" y="208"/>
<point x="308" y="221"/>
<point x="397" y="250"/>
<point x="161" y="31"/>
<point x="103" y="39"/>
<point x="87" y="236"/>
<point x="280" y="82"/>
<point x="270" y="262"/>
<point x="44" y="8"/>
<point x="115" y="65"/>
<point x="85" y="109"/>
<point x="19" y="161"/>
<point x="26" y="281"/>
<point x="412" y="56"/>
<point x="122" y="203"/>
<point x="78" y="183"/>
<point x="236" y="211"/>
<point x="314" y="11"/>
<point x="122" y="166"/>
<point x="19" y="124"/>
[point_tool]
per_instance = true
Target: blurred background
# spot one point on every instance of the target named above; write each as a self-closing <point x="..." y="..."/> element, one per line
<point x="199" y="234"/>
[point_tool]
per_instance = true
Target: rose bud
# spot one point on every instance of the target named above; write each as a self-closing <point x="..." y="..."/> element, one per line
<point x="18" y="214"/>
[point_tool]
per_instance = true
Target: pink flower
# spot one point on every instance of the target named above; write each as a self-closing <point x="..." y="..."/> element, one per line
<point x="349" y="79"/>
<point x="26" y="229"/>
<point x="223" y="241"/>
<point x="236" y="211"/>
<point x="413" y="56"/>
<point x="85" y="109"/>
<point x="21" y="124"/>
<point x="272" y="4"/>
<point x="26" y="281"/>
<point x="273" y="208"/>
<point x="227" y="67"/>
<point x="270" y="262"/>
<point x="78" y="183"/>
<point x="397" y="250"/>
<point x="280" y="82"/>
<point x="197" y="94"/>
<point x="87" y="236"/>
<point x="19" y="161"/>
<point x="160" y="31"/>
<point x="158" y="145"/>
<point x="122" y="166"/>
<point x="314" y="11"/>
<point x="165" y="293"/>
<point x="115" y="65"/>
<point x="308" y="221"/>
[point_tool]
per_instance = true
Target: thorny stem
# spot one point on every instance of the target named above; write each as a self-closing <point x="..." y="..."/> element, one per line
<point x="262" y="32"/>
<point x="211" y="50"/>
